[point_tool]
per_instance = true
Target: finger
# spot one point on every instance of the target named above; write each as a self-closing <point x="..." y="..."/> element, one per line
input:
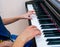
<point x="37" y="31"/>
<point x="31" y="12"/>
<point x="32" y="26"/>
<point x="34" y="12"/>
<point x="28" y="18"/>
<point x="35" y="34"/>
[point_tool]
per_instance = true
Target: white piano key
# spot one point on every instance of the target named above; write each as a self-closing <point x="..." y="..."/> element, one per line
<point x="54" y="45"/>
<point x="30" y="7"/>
<point x="52" y="37"/>
<point x="51" y="29"/>
<point x="40" y="41"/>
<point x="49" y="24"/>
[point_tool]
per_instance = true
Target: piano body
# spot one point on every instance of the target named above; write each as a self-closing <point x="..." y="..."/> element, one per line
<point x="47" y="20"/>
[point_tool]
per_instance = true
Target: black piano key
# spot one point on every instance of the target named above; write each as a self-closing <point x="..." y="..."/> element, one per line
<point x="40" y="8"/>
<point x="42" y="16"/>
<point x="50" y="31"/>
<point x="56" y="39"/>
<point x="45" y="21"/>
<point x="37" y="8"/>
<point x="54" y="43"/>
<point x="52" y="35"/>
<point x="45" y="18"/>
<point x="48" y="26"/>
<point x="56" y="33"/>
<point x="49" y="35"/>
<point x="40" y="13"/>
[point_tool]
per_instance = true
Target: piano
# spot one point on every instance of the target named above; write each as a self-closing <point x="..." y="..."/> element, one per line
<point x="47" y="20"/>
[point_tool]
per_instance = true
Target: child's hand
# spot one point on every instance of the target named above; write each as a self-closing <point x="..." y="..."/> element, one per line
<point x="27" y="15"/>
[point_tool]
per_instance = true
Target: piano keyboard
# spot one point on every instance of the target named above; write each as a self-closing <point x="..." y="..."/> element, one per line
<point x="50" y="36"/>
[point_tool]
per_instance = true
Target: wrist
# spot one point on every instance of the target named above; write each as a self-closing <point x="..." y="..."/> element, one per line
<point x="21" y="17"/>
<point x="21" y="39"/>
<point x="19" y="42"/>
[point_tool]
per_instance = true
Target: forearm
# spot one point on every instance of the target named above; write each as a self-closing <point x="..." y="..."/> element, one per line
<point x="28" y="34"/>
<point x="19" y="42"/>
<point x="11" y="19"/>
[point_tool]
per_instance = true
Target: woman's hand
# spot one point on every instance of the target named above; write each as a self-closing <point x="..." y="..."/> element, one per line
<point x="28" y="34"/>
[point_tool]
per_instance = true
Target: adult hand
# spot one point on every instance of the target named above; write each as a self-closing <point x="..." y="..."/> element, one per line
<point x="28" y="34"/>
<point x="6" y="44"/>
